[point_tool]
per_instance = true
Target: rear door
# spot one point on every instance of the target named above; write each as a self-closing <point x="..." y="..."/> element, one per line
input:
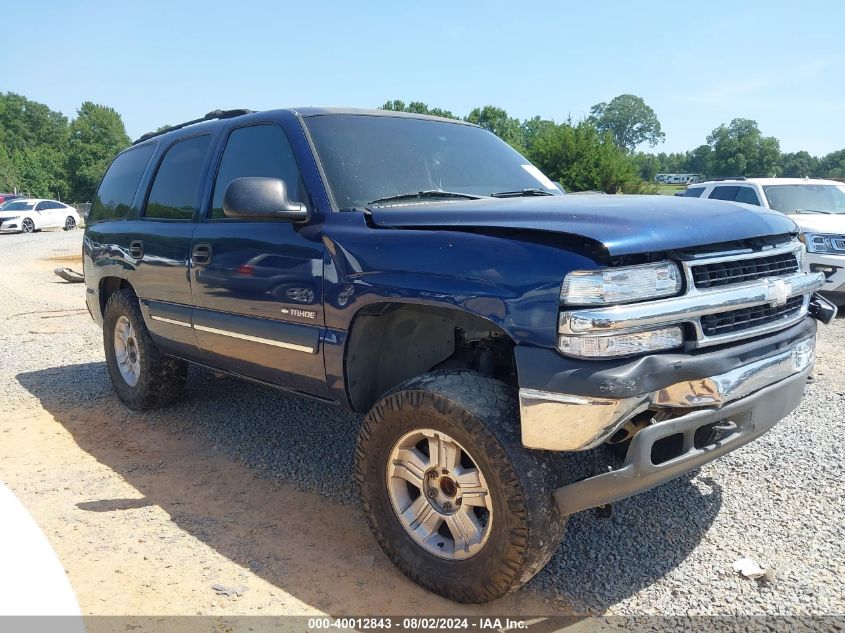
<point x="257" y="284"/>
<point x="160" y="243"/>
<point x="43" y="215"/>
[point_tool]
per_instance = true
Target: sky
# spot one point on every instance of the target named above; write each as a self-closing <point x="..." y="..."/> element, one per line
<point x="697" y="64"/>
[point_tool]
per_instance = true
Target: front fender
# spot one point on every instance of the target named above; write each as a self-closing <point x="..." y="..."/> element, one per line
<point x="511" y="280"/>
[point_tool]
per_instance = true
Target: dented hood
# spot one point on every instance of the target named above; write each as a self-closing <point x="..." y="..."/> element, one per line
<point x="623" y="225"/>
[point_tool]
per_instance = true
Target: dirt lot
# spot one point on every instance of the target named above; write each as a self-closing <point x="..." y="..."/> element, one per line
<point x="248" y="488"/>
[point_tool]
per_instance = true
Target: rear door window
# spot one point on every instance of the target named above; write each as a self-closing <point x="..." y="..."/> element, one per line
<point x="177" y="187"/>
<point x="724" y="192"/>
<point x="114" y="198"/>
<point x="748" y="196"/>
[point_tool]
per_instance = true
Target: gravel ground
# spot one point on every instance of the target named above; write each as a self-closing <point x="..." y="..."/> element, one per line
<point x="668" y="551"/>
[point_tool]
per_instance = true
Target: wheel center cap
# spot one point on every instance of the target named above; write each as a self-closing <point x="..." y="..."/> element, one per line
<point x="442" y="491"/>
<point x="448" y="486"/>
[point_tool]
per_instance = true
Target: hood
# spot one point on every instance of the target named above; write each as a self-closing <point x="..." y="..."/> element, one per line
<point x="819" y="222"/>
<point x="14" y="214"/>
<point x="623" y="225"/>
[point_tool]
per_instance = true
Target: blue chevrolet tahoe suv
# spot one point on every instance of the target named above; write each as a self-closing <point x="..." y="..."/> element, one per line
<point x="421" y="271"/>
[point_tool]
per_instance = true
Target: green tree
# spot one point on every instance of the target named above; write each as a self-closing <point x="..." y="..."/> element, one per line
<point x="833" y="165"/>
<point x="698" y="160"/>
<point x="34" y="142"/>
<point x="629" y="120"/>
<point x="799" y="164"/>
<point x="25" y="124"/>
<point x="40" y="171"/>
<point x="581" y="158"/>
<point x="417" y="107"/>
<point x="97" y="134"/>
<point x="533" y="127"/>
<point x="500" y="123"/>
<point x="9" y="177"/>
<point x="740" y="149"/>
<point x="648" y="165"/>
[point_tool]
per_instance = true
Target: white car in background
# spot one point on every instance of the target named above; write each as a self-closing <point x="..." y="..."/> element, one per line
<point x="817" y="207"/>
<point x="34" y="214"/>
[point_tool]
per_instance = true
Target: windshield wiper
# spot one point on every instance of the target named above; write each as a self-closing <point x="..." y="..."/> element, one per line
<point x="811" y="211"/>
<point x="429" y="193"/>
<point x="522" y="192"/>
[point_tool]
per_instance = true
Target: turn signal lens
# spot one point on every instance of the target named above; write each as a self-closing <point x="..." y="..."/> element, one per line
<point x="630" y="344"/>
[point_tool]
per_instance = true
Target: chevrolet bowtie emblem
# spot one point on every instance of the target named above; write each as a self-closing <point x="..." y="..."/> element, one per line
<point x="778" y="291"/>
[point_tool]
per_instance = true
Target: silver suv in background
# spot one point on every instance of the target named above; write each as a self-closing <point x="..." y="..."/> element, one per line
<point x="817" y="207"/>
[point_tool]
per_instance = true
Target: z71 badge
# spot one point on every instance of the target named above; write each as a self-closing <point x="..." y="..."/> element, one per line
<point x="303" y="314"/>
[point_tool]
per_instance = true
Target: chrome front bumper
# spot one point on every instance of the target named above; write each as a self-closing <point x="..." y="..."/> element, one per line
<point x="566" y="422"/>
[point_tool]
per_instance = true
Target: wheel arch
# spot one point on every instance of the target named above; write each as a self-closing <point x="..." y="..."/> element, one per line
<point x="390" y="342"/>
<point x="108" y="286"/>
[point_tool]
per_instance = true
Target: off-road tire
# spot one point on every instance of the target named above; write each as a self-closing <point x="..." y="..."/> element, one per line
<point x="162" y="378"/>
<point x="481" y="414"/>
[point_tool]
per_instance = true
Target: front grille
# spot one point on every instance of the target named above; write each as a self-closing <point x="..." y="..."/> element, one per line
<point x="747" y="318"/>
<point x="737" y="271"/>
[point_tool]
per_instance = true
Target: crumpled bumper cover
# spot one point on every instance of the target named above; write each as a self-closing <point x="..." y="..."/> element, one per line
<point x="738" y="423"/>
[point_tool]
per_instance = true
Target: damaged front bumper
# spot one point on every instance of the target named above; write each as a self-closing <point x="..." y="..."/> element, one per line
<point x="568" y="422"/>
<point x="710" y="402"/>
<point x="735" y="425"/>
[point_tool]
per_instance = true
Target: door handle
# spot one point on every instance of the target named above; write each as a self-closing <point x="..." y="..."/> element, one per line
<point x="136" y="249"/>
<point x="201" y="254"/>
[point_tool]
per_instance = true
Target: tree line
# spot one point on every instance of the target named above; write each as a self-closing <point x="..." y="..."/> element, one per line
<point x="599" y="151"/>
<point x="45" y="154"/>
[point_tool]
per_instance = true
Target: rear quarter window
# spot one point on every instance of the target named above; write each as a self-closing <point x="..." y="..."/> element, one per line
<point x="724" y="192"/>
<point x="114" y="198"/>
<point x="694" y="192"/>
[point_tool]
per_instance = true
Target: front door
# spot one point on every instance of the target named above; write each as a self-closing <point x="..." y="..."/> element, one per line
<point x="257" y="284"/>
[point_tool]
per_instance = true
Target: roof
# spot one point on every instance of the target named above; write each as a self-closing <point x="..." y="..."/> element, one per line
<point x="36" y="200"/>
<point x="305" y="112"/>
<point x="320" y="111"/>
<point x="772" y="181"/>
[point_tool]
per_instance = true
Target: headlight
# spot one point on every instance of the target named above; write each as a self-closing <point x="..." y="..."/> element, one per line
<point x="630" y="344"/>
<point x="13" y="217"/>
<point x="823" y="242"/>
<point x="621" y="285"/>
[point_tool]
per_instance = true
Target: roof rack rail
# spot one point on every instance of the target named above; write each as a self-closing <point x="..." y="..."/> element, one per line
<point x="214" y="114"/>
<point x="723" y="178"/>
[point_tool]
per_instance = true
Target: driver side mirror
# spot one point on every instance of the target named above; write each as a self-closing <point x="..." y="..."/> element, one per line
<point x="254" y="197"/>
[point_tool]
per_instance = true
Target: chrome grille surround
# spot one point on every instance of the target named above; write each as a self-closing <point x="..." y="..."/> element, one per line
<point x="694" y="303"/>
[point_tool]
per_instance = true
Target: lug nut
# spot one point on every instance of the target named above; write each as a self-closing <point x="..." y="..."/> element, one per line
<point x="432" y="474"/>
<point x="445" y="472"/>
<point x="457" y="502"/>
<point x="447" y="505"/>
<point x="432" y="494"/>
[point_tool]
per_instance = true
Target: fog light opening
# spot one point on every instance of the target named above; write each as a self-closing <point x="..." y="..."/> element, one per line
<point x="667" y="448"/>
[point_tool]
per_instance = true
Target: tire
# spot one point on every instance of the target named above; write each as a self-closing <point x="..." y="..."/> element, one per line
<point x="27" y="226"/>
<point x="522" y="527"/>
<point x="147" y="378"/>
<point x="70" y="223"/>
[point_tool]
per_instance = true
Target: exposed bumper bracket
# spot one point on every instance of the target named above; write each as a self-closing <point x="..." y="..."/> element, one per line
<point x="740" y="423"/>
<point x="565" y="422"/>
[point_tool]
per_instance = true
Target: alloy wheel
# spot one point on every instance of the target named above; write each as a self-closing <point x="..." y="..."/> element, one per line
<point x="126" y="351"/>
<point x="439" y="494"/>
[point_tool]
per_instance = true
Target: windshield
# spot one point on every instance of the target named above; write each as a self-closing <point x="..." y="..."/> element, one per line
<point x="809" y="197"/>
<point x="18" y="205"/>
<point x="369" y="158"/>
